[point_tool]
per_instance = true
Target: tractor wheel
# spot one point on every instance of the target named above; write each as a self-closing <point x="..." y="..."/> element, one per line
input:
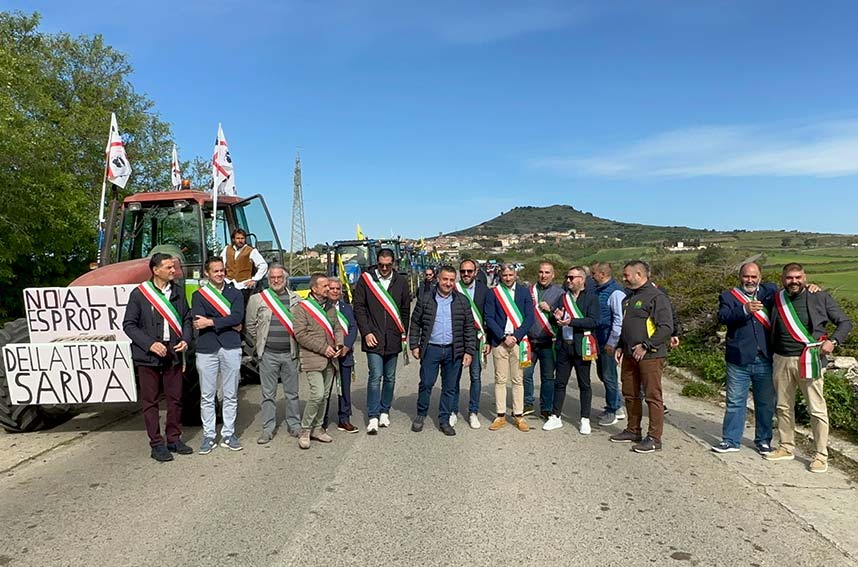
<point x="18" y="419"/>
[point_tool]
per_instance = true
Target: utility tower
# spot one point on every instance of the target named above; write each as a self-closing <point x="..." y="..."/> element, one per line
<point x="299" y="228"/>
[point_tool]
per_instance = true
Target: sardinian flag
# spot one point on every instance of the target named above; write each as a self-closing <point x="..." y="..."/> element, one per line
<point x="175" y="172"/>
<point x="118" y="166"/>
<point x="222" y="170"/>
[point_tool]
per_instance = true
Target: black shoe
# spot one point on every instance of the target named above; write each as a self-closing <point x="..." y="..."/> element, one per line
<point x="161" y="454"/>
<point x="417" y="424"/>
<point x="625" y="436"/>
<point x="180" y="448"/>
<point x="666" y="411"/>
<point x="648" y="445"/>
<point x="528" y="410"/>
<point x="545" y="415"/>
<point x="447" y="429"/>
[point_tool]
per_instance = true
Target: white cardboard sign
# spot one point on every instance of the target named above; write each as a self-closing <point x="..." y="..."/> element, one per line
<point x="64" y="312"/>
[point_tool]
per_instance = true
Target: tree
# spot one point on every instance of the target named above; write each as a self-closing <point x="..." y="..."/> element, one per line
<point x="56" y="102"/>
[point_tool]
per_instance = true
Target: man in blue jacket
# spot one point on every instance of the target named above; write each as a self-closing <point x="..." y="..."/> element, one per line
<point x="509" y="315"/>
<point x="746" y="311"/>
<point x="346" y="320"/>
<point x="218" y="311"/>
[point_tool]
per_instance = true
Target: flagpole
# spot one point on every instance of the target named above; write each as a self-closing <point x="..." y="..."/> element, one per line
<point x="101" y="210"/>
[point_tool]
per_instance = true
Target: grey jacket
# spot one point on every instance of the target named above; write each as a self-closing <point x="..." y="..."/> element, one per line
<point x="823" y="309"/>
<point x="259" y="320"/>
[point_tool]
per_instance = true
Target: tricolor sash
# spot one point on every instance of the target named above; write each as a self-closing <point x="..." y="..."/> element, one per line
<point x="540" y="314"/>
<point x="809" y="363"/>
<point x="216" y="299"/>
<point x="342" y="320"/>
<point x="318" y="314"/>
<point x="479" y="324"/>
<point x="278" y="309"/>
<point x="513" y="313"/>
<point x="389" y="305"/>
<point x="762" y="315"/>
<point x="589" y="347"/>
<point x="162" y="305"/>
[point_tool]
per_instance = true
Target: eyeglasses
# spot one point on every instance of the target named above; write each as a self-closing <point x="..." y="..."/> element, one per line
<point x="466" y="271"/>
<point x="573" y="277"/>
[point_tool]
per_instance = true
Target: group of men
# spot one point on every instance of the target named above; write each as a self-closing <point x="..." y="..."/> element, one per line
<point x="776" y="342"/>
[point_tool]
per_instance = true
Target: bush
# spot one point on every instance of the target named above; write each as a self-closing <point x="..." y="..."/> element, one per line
<point x="699" y="390"/>
<point x="842" y="401"/>
<point x="697" y="355"/>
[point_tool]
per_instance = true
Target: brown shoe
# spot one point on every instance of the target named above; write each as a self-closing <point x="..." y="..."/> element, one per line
<point x="818" y="465"/>
<point x="779" y="454"/>
<point x="497" y="423"/>
<point x="320" y="435"/>
<point x="521" y="423"/>
<point x="347" y="427"/>
<point x="304" y="439"/>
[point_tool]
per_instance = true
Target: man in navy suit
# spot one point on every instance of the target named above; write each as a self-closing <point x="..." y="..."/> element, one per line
<point x="745" y="310"/>
<point x="346" y="319"/>
<point x="509" y="315"/>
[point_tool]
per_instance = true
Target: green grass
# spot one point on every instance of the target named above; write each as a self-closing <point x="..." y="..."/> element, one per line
<point x="841" y="284"/>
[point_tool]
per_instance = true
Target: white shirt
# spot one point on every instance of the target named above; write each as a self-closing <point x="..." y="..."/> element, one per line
<point x="510" y="328"/>
<point x="256" y="259"/>
<point x="385" y="283"/>
<point x="166" y="291"/>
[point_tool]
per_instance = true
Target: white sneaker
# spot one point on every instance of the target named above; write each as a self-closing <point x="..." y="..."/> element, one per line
<point x="620" y="413"/>
<point x="474" y="421"/>
<point x="453" y="419"/>
<point x="372" y="428"/>
<point x="554" y="422"/>
<point x="584" y="428"/>
<point x="384" y="420"/>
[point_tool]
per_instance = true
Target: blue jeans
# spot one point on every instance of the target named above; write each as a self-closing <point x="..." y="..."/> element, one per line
<point x="379" y="387"/>
<point x="475" y="370"/>
<point x="545" y="357"/>
<point x="227" y="362"/>
<point x="757" y="375"/>
<point x="436" y="358"/>
<point x="606" y="368"/>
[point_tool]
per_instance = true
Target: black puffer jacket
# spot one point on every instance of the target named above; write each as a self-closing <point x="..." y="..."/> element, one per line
<point x="423" y="319"/>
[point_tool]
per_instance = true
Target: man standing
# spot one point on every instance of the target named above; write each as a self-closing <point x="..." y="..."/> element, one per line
<point x="158" y="322"/>
<point x="346" y="359"/>
<point x="746" y="312"/>
<point x="647" y="326"/>
<point x="245" y="266"/>
<point x="477" y="294"/>
<point x="427" y="286"/>
<point x="321" y="340"/>
<point x="509" y="315"/>
<point x="270" y="328"/>
<point x="441" y="337"/>
<point x="607" y="333"/>
<point x="381" y="298"/>
<point x="576" y="347"/>
<point x="546" y="297"/>
<point x="218" y="310"/>
<point x="801" y="345"/>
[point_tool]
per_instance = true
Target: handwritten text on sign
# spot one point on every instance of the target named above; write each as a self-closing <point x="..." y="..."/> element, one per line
<point x="70" y="373"/>
<point x="58" y="312"/>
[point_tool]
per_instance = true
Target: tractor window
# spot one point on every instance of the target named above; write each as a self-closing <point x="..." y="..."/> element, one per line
<point x="164" y="227"/>
<point x="252" y="215"/>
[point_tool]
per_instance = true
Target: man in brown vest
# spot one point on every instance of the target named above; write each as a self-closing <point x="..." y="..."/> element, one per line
<point x="245" y="266"/>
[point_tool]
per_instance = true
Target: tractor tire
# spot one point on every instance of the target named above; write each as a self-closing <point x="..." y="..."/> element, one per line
<point x="191" y="394"/>
<point x="19" y="419"/>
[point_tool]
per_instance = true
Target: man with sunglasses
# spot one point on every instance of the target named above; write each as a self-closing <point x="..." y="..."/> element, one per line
<point x="547" y="297"/>
<point x="477" y="294"/>
<point x="382" y="301"/>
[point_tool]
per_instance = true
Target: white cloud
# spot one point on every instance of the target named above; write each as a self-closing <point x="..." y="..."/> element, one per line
<point x="827" y="149"/>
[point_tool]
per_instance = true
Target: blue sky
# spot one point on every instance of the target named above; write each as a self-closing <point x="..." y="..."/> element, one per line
<point x="423" y="117"/>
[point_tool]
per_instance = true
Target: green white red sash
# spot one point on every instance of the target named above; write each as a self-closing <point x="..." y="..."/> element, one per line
<point x="342" y="320"/>
<point x="216" y="299"/>
<point x="479" y="325"/>
<point x="762" y="315"/>
<point x="278" y="309"/>
<point x="389" y="305"/>
<point x="318" y="314"/>
<point x="589" y="347"/>
<point x="541" y="318"/>
<point x="162" y="305"/>
<point x="809" y="363"/>
<point x="505" y="298"/>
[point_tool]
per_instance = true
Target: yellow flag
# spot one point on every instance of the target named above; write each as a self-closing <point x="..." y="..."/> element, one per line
<point x="650" y="327"/>
<point x="360" y="235"/>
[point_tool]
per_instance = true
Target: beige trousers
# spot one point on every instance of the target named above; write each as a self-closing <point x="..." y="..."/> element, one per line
<point x="786" y="377"/>
<point x="507" y="369"/>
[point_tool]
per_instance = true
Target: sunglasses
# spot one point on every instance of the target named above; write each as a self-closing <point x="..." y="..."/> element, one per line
<point x="466" y="271"/>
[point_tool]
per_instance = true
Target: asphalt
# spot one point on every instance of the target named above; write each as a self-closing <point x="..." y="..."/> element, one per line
<point x="87" y="493"/>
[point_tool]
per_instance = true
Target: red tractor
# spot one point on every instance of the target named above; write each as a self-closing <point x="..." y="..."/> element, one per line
<point x="174" y="222"/>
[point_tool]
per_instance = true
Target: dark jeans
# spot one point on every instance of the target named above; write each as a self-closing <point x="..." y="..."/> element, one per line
<point x="380" y="384"/>
<point x="152" y="379"/>
<point x="606" y="368"/>
<point x="566" y="361"/>
<point x="544" y="355"/>
<point x="475" y="371"/>
<point x="645" y="374"/>
<point x="433" y="359"/>
<point x="345" y="398"/>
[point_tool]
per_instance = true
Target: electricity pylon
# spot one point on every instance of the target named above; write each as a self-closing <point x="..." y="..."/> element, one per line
<point x="299" y="228"/>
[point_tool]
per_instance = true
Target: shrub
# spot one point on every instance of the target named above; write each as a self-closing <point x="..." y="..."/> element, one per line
<point x="699" y="390"/>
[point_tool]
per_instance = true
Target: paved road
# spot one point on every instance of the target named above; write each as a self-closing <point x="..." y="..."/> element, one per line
<point x="88" y="494"/>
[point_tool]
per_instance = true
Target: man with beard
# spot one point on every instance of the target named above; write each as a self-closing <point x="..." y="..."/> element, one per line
<point x="546" y="297"/>
<point x="477" y="294"/>
<point x="801" y="345"/>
